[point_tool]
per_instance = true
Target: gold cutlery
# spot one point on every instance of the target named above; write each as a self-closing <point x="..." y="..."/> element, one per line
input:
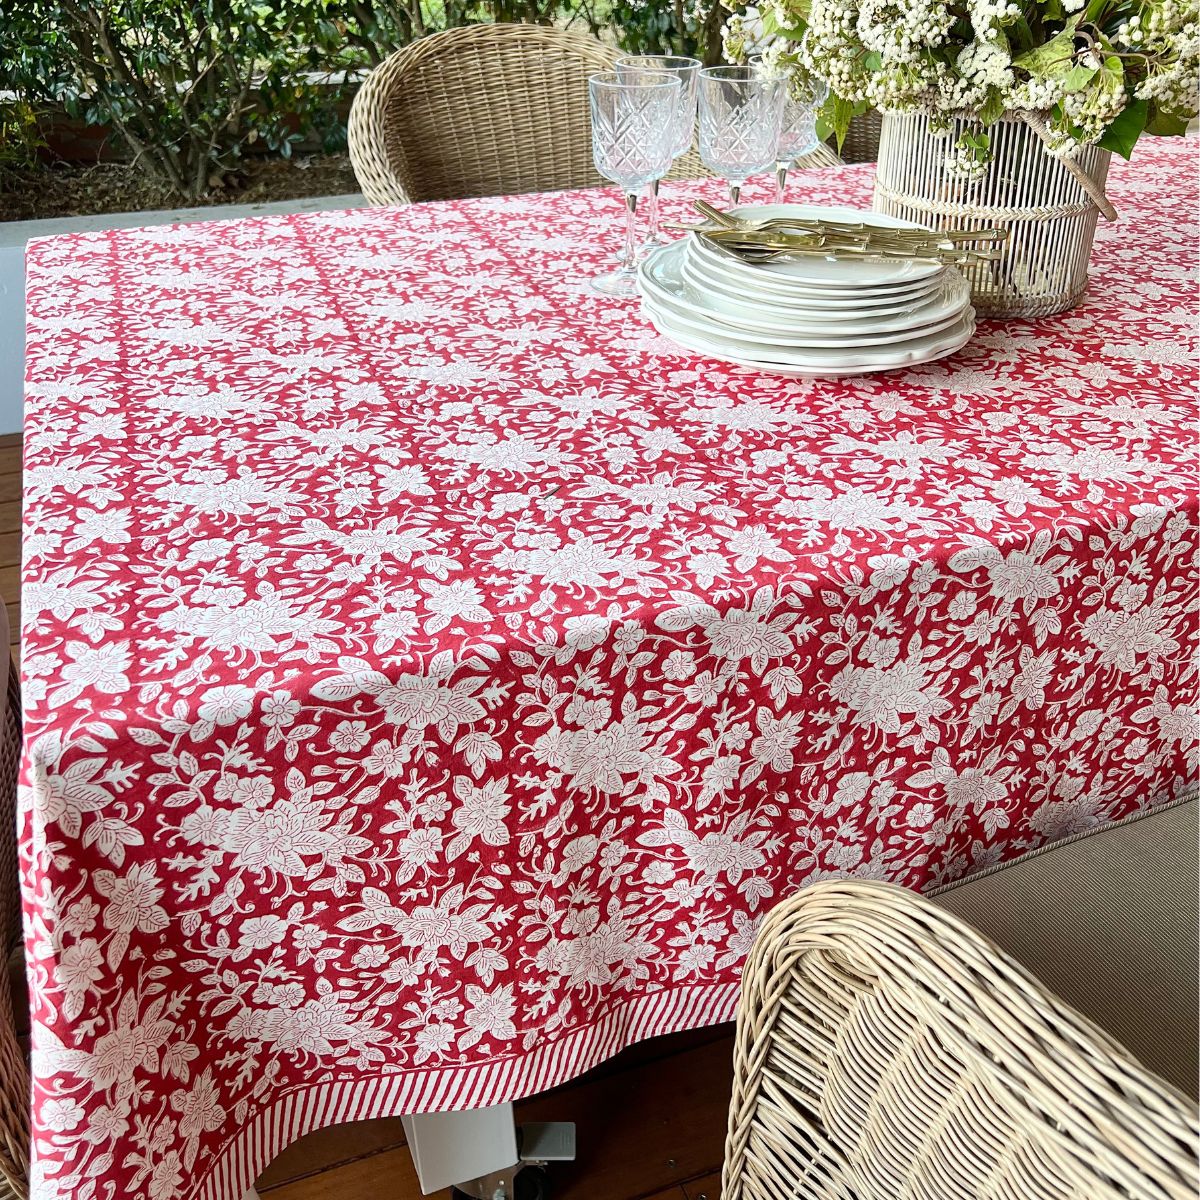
<point x="779" y="238"/>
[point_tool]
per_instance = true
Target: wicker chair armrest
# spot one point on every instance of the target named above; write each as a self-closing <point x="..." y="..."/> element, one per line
<point x="378" y="161"/>
<point x="14" y="1070"/>
<point x="882" y="1044"/>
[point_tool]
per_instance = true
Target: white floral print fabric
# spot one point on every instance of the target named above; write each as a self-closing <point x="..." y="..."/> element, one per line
<point x="432" y="674"/>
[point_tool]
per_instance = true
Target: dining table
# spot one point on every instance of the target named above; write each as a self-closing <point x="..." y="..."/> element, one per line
<point x="431" y="674"/>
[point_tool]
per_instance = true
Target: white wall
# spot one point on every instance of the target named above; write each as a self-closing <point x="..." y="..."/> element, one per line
<point x="12" y="335"/>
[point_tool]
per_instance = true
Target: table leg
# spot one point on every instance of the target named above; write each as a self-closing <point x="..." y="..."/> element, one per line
<point x="456" y="1147"/>
<point x="479" y="1152"/>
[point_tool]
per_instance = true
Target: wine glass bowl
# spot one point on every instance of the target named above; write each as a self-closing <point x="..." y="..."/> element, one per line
<point x="741" y="111"/>
<point x="634" y="131"/>
<point x="798" y="132"/>
<point x="805" y="93"/>
<point x="686" y="70"/>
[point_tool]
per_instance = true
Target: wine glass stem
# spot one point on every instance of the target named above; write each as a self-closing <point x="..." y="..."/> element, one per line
<point x="781" y="174"/>
<point x="652" y="213"/>
<point x="629" y="253"/>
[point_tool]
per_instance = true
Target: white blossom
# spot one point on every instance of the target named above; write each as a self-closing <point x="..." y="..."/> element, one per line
<point x="958" y="59"/>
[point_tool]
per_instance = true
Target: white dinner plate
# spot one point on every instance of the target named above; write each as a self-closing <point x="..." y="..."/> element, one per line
<point x="757" y="344"/>
<point x="832" y="301"/>
<point x="727" y="270"/>
<point x="950" y="294"/>
<point x="854" y="274"/>
<point x="820" y="363"/>
<point x="660" y="278"/>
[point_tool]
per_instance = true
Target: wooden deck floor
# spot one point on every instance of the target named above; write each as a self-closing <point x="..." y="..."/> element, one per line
<point x="650" y="1123"/>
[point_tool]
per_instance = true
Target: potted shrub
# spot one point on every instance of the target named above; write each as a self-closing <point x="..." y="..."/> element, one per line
<point x="1002" y="112"/>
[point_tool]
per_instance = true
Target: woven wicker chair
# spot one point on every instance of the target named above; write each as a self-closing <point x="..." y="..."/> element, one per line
<point x="862" y="138"/>
<point x="485" y="110"/>
<point x="14" y="1069"/>
<point x="887" y="1051"/>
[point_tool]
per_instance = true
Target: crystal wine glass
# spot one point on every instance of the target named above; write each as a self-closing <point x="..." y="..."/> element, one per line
<point x="687" y="70"/>
<point x="634" y="131"/>
<point x="741" y="109"/>
<point x="798" y="132"/>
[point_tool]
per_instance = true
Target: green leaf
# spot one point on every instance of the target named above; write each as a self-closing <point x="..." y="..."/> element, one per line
<point x="1054" y="58"/>
<point x="1078" y="77"/>
<point x="1020" y="36"/>
<point x="1165" y="124"/>
<point x="1121" y="136"/>
<point x="794" y="29"/>
<point x="873" y="61"/>
<point x="839" y="113"/>
<point x="794" y="33"/>
<point x="993" y="107"/>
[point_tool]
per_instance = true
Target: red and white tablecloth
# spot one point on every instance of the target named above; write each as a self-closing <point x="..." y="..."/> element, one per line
<point x="432" y="674"/>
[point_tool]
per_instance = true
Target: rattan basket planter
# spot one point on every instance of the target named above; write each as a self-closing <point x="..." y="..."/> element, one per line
<point x="1049" y="209"/>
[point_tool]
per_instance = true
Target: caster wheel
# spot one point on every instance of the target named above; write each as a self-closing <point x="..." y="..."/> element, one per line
<point x="529" y="1183"/>
<point x="532" y="1184"/>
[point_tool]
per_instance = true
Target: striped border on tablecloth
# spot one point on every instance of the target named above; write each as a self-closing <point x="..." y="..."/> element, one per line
<point x="305" y="1109"/>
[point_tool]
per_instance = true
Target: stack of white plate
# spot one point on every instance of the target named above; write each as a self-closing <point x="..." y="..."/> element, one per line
<point x="807" y="316"/>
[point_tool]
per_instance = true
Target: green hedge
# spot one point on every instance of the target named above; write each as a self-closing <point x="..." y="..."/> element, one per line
<point x="187" y="86"/>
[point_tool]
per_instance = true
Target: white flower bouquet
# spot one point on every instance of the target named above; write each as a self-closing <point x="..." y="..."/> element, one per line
<point x="1089" y="72"/>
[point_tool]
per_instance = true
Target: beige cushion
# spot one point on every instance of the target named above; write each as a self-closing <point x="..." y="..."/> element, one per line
<point x="1108" y="922"/>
